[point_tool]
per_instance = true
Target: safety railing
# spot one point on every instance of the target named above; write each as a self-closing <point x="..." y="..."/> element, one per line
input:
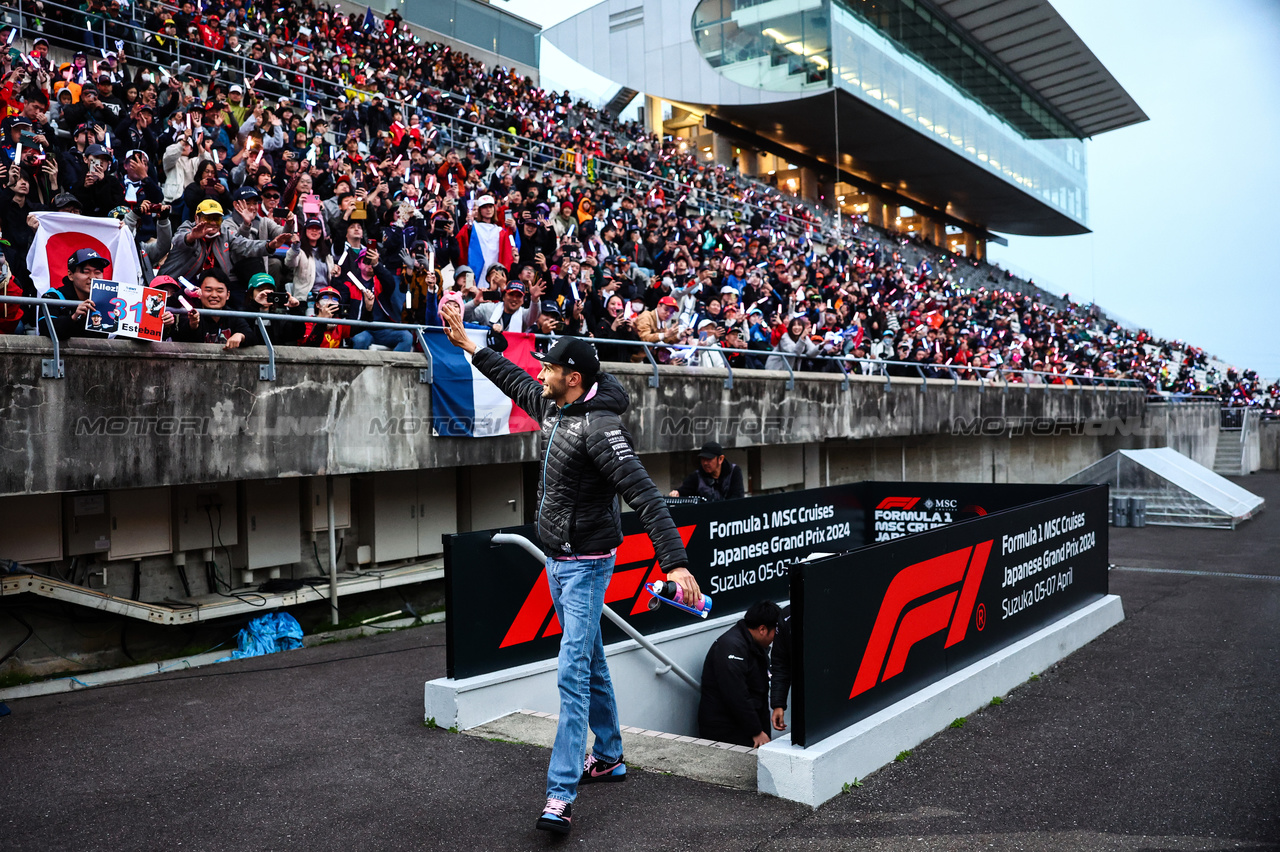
<point x="639" y="638"/>
<point x="846" y="366"/>
<point x="1231" y="418"/>
<point x="1172" y="397"/>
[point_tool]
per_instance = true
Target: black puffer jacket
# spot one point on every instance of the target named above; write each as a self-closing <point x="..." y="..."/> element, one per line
<point x="735" y="688"/>
<point x="587" y="460"/>
<point x="780" y="661"/>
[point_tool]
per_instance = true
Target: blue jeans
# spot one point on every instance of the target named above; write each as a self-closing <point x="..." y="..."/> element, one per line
<point x="586" y="693"/>
<point x="396" y="341"/>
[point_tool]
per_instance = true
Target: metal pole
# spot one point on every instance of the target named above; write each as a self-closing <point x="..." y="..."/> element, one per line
<point x="653" y="380"/>
<point x="536" y="552"/>
<point x="50" y="368"/>
<point x="651" y="648"/>
<point x="267" y="371"/>
<point x="333" y="554"/>
<point x="835" y="106"/>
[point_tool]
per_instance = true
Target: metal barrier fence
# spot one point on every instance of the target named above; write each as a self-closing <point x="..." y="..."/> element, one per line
<point x="1230" y="417"/>
<point x="1181" y="398"/>
<point x="844" y="365"/>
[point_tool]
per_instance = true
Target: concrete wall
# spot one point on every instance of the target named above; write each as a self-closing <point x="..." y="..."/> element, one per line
<point x="1269" y="445"/>
<point x="135" y="415"/>
<point x="1034" y="452"/>
<point x="139" y="415"/>
<point x="1252" y="444"/>
<point x="1191" y="428"/>
<point x="648" y="697"/>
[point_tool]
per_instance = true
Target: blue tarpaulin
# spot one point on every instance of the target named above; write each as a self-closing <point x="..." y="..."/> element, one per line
<point x="266" y="634"/>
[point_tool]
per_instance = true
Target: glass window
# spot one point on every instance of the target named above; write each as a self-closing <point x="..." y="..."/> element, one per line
<point x="962" y="61"/>
<point x="476" y="25"/>
<point x="436" y="15"/>
<point x="876" y="70"/>
<point x="764" y="46"/>
<point x="516" y="42"/>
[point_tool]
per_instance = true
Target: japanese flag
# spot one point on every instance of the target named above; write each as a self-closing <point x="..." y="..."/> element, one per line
<point x="59" y="235"/>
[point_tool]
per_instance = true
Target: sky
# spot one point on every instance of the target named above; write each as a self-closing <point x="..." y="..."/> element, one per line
<point x="1184" y="208"/>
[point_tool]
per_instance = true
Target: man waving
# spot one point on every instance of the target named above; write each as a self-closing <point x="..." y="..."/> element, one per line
<point x="587" y="460"/>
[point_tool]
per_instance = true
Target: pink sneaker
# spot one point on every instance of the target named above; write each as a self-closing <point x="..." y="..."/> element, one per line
<point x="556" y="817"/>
<point x="596" y="770"/>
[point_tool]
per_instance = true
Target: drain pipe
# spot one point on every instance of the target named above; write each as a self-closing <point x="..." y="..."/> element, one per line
<point x="534" y="551"/>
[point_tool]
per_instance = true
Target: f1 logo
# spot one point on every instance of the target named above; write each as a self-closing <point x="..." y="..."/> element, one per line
<point x="904" y="503"/>
<point x="636" y="563"/>
<point x="903" y="621"/>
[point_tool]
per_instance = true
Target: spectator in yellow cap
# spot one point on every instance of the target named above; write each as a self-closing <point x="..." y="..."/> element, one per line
<point x="210" y="242"/>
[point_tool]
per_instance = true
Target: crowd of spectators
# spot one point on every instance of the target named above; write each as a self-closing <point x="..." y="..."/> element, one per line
<point x="300" y="160"/>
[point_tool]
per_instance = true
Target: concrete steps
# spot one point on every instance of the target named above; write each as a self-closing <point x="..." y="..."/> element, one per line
<point x="702" y="760"/>
<point x="1229" y="458"/>
<point x="620" y="100"/>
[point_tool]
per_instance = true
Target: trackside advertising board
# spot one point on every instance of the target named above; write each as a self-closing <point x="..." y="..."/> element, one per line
<point x="897" y="509"/>
<point x="499" y="604"/>
<point x="873" y="626"/>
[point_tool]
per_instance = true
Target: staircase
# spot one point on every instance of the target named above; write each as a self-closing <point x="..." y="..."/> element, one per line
<point x="1228" y="460"/>
<point x="619" y="101"/>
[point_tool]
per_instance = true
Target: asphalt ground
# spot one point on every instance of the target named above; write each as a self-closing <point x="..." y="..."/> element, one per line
<point x="1161" y="734"/>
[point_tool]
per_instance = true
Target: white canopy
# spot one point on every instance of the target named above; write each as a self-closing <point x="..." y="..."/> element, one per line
<point x="1178" y="491"/>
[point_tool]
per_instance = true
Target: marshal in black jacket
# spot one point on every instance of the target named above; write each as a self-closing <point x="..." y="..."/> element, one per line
<point x="587" y="460"/>
<point x="735" y="688"/>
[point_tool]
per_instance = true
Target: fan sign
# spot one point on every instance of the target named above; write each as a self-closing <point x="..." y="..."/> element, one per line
<point x="126" y="310"/>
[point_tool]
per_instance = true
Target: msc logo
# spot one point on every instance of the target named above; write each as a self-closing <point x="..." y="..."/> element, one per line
<point x="905" y="618"/>
<point x="636" y="564"/>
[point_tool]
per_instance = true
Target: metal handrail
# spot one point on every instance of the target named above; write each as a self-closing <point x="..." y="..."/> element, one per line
<point x="880" y="367"/>
<point x="1169" y="396"/>
<point x="51" y="368"/>
<point x="267" y="372"/>
<point x="536" y="552"/>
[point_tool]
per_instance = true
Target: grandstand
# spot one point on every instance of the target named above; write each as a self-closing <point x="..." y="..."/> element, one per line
<point x="569" y="151"/>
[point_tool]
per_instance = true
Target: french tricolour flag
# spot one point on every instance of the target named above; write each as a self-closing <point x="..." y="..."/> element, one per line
<point x="465" y="404"/>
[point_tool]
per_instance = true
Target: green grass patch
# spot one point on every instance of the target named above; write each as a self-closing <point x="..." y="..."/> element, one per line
<point x="16" y="679"/>
<point x="902" y="756"/>
<point x="996" y="701"/>
<point x="957" y="723"/>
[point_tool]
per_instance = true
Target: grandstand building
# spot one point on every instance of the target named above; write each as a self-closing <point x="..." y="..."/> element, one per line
<point x="953" y="119"/>
<point x="487" y="32"/>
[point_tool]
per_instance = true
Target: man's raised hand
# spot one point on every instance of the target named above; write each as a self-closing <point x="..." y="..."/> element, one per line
<point x="453" y="328"/>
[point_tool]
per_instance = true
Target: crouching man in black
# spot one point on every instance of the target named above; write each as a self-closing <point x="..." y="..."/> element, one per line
<point x="735" y="680"/>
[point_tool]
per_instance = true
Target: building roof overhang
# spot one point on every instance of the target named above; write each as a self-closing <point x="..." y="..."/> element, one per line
<point x="1035" y="43"/>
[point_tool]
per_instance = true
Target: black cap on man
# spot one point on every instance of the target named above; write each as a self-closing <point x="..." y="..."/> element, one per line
<point x="575" y="355"/>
